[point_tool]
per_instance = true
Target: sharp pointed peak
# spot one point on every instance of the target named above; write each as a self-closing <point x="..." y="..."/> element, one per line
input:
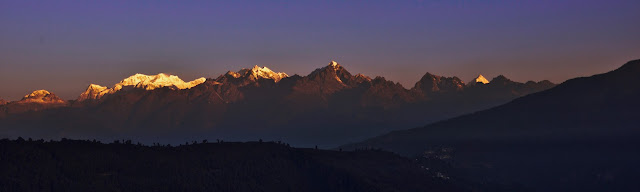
<point x="332" y="65"/>
<point x="431" y="75"/>
<point x="481" y="79"/>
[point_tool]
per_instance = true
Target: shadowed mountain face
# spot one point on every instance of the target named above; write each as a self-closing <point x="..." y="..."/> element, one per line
<point x="430" y="84"/>
<point x="580" y="135"/>
<point x="328" y="107"/>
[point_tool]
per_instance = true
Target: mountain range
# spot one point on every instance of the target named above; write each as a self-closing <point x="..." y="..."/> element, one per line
<point x="328" y="107"/>
<point x="581" y="135"/>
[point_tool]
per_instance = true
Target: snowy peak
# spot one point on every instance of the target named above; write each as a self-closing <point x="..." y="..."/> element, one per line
<point x="254" y="73"/>
<point x="93" y="92"/>
<point x="266" y="73"/>
<point x="334" y="64"/>
<point x="480" y="79"/>
<point x="329" y="79"/>
<point x="151" y="82"/>
<point x="333" y="67"/>
<point x="41" y="96"/>
<point x="332" y="71"/>
<point x="37" y="94"/>
<point x="140" y="81"/>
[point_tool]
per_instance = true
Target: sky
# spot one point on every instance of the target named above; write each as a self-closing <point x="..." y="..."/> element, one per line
<point x="63" y="46"/>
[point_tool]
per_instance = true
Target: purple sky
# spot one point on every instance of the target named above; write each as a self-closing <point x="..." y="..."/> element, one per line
<point x="62" y="46"/>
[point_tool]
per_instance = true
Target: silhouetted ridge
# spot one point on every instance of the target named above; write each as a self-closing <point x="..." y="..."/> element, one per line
<point x="551" y="140"/>
<point x="430" y="83"/>
<point x="632" y="66"/>
<point x="501" y="79"/>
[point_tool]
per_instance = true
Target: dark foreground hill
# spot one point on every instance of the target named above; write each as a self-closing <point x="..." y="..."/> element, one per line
<point x="582" y="135"/>
<point x="75" y="165"/>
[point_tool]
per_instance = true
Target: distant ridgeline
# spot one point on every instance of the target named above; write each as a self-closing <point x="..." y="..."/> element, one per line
<point x="74" y="165"/>
<point x="581" y="135"/>
<point x="328" y="107"/>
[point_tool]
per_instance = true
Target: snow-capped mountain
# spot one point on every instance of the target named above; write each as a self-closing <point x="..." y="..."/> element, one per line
<point x="479" y="80"/>
<point x="261" y="72"/>
<point x="93" y="92"/>
<point x="139" y="81"/>
<point x="335" y="73"/>
<point x="327" y="80"/>
<point x="330" y="102"/>
<point x="151" y="82"/>
<point x="41" y="96"/>
<point x="248" y="76"/>
<point x="38" y="100"/>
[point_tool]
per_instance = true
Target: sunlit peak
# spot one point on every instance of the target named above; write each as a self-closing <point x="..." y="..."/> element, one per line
<point x="481" y="79"/>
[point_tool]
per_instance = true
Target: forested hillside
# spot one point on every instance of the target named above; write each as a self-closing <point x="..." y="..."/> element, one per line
<point x="75" y="165"/>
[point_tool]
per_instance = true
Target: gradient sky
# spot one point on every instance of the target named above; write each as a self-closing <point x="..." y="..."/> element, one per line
<point x="62" y="46"/>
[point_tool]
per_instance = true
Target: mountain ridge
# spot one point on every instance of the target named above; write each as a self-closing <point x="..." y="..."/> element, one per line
<point x="605" y="83"/>
<point x="560" y="139"/>
<point x="140" y="81"/>
<point x="279" y="109"/>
